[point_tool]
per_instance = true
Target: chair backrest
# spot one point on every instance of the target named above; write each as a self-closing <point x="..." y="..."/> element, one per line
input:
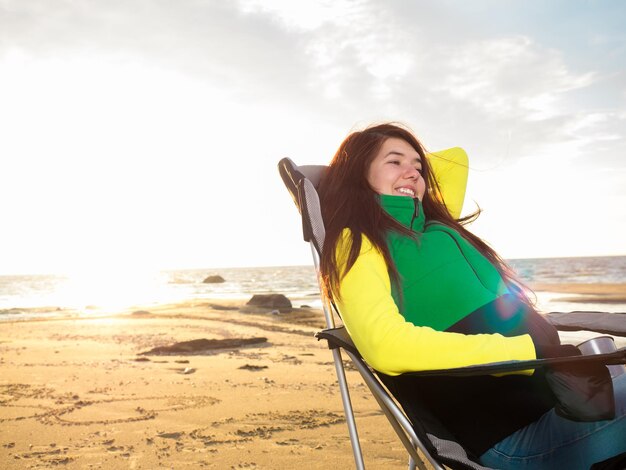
<point x="302" y="183"/>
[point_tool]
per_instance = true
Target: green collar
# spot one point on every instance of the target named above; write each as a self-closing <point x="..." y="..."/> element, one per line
<point x="408" y="211"/>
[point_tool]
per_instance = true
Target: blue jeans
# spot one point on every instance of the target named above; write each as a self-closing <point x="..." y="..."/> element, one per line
<point x="553" y="442"/>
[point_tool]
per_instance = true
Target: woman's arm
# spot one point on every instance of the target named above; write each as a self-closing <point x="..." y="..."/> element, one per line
<point x="392" y="345"/>
<point x="450" y="168"/>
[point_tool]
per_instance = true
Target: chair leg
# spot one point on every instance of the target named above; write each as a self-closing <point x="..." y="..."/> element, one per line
<point x="412" y="465"/>
<point x="395" y="416"/>
<point x="347" y="407"/>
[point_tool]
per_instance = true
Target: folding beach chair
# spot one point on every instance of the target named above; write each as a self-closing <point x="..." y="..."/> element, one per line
<point x="435" y="445"/>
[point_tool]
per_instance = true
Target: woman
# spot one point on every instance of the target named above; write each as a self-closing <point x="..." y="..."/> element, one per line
<point x="418" y="291"/>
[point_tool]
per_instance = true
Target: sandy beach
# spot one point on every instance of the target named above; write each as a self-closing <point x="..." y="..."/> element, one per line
<point x="586" y="293"/>
<point x="80" y="392"/>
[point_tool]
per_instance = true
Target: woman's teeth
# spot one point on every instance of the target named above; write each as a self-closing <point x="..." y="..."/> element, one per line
<point x="407" y="191"/>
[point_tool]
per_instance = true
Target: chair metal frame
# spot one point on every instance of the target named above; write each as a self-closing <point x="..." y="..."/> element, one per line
<point x="396" y="417"/>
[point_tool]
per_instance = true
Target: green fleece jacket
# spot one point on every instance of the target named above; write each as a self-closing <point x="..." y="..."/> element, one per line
<point x="443" y="278"/>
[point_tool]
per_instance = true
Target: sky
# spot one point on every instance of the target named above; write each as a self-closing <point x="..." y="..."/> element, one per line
<point x="145" y="134"/>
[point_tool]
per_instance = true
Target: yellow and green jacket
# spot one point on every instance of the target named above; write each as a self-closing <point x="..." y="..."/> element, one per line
<point x="432" y="267"/>
<point x="393" y="343"/>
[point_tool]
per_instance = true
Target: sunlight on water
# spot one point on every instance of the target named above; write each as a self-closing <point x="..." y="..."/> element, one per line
<point x="111" y="290"/>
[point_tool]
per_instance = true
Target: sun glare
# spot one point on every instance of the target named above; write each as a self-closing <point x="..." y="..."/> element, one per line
<point x="107" y="290"/>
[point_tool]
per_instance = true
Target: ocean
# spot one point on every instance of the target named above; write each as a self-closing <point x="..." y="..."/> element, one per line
<point x="28" y="296"/>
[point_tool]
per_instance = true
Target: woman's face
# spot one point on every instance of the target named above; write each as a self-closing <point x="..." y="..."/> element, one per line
<point x="397" y="170"/>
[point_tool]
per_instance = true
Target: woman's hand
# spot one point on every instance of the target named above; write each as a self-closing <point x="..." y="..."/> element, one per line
<point x="584" y="391"/>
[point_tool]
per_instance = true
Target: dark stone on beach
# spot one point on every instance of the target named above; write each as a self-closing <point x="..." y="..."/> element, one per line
<point x="140" y="313"/>
<point x="213" y="279"/>
<point x="199" y="345"/>
<point x="271" y="301"/>
<point x="171" y="435"/>
<point x="222" y="307"/>
<point x="252" y="367"/>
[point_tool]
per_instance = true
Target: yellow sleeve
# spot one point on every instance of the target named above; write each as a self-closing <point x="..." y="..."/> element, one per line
<point x="392" y="345"/>
<point x="450" y="168"/>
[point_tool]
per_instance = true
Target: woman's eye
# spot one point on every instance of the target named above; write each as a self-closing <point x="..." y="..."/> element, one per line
<point x="394" y="162"/>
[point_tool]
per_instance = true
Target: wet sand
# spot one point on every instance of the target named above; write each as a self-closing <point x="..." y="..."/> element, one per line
<point x="260" y="392"/>
<point x="587" y="293"/>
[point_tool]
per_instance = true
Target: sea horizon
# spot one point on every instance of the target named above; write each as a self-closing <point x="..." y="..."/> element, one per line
<point x="24" y="295"/>
<point x="61" y="272"/>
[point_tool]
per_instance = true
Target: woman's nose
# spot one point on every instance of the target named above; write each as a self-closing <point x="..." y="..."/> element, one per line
<point x="411" y="173"/>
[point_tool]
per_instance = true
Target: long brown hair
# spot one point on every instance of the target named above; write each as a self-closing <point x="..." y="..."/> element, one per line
<point x="348" y="201"/>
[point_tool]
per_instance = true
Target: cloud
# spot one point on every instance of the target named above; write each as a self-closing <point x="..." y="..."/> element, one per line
<point x="306" y="16"/>
<point x="384" y="63"/>
<point x="246" y="54"/>
<point x="509" y="76"/>
<point x="350" y="58"/>
<point x="179" y="111"/>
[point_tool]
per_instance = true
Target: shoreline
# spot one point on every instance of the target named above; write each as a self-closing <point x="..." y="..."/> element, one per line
<point x="608" y="293"/>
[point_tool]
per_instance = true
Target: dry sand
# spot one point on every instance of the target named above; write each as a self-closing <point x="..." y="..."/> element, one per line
<point x="79" y="393"/>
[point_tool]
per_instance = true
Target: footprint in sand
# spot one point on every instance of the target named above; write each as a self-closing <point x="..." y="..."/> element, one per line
<point x="49" y="456"/>
<point x="124" y="410"/>
<point x="16" y="402"/>
<point x="263" y="426"/>
<point x="20" y="401"/>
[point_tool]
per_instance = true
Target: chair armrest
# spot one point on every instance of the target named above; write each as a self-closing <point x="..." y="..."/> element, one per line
<point x="339" y="338"/>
